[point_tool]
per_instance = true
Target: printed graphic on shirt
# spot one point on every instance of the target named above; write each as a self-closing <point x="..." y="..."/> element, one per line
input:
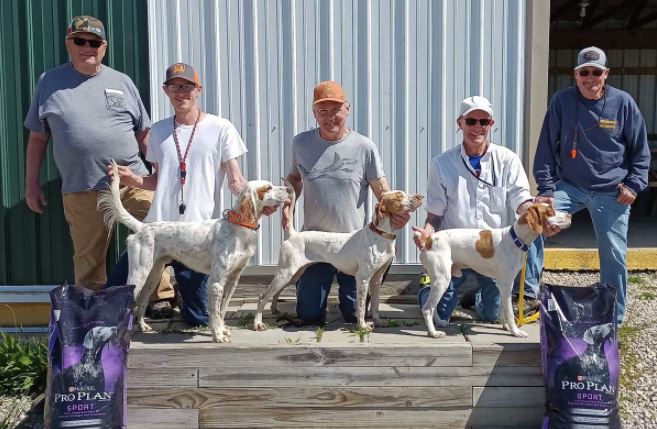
<point x="338" y="169"/>
<point x="114" y="99"/>
<point x="607" y="123"/>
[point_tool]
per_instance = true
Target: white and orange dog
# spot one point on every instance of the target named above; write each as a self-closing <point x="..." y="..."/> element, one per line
<point x="496" y="253"/>
<point x="365" y="253"/>
<point x="218" y="247"/>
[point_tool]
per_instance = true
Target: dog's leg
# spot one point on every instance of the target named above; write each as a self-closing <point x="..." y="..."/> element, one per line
<point x="362" y="287"/>
<point x="439" y="270"/>
<point x="375" y="293"/>
<point x="149" y="286"/>
<point x="215" y="321"/>
<point x="505" y="287"/>
<point x="281" y="279"/>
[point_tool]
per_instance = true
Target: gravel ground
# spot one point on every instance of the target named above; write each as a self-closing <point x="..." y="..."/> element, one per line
<point x="638" y="390"/>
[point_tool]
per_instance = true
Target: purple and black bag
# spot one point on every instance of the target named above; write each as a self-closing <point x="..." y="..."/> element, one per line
<point x="579" y="353"/>
<point x="87" y="357"/>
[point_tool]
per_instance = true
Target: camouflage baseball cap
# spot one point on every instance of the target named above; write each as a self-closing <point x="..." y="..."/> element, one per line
<point x="183" y="71"/>
<point x="86" y="24"/>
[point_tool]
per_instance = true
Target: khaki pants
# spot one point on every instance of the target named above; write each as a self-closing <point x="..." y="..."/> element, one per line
<point x="91" y="236"/>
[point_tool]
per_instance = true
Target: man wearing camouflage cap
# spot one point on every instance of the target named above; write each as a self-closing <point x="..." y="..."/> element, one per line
<point x="94" y="115"/>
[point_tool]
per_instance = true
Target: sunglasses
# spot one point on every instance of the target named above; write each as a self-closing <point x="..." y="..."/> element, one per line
<point x="483" y="122"/>
<point x="326" y="113"/>
<point x="79" y="41"/>
<point x="187" y="87"/>
<point x="596" y="73"/>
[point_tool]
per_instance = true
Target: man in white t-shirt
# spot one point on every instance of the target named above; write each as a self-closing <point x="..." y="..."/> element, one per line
<point x="191" y="153"/>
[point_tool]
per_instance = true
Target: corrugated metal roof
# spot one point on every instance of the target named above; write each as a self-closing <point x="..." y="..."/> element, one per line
<point x="406" y="66"/>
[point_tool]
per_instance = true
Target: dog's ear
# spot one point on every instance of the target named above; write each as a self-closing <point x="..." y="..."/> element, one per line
<point x="380" y="211"/>
<point x="534" y="219"/>
<point x="248" y="206"/>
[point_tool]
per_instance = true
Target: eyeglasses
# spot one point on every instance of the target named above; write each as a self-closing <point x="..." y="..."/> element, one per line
<point x="596" y="73"/>
<point x="79" y="41"/>
<point x="187" y="87"/>
<point x="483" y="122"/>
<point x="326" y="113"/>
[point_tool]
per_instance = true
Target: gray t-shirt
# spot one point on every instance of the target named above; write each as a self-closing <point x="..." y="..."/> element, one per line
<point x="336" y="176"/>
<point x="92" y="120"/>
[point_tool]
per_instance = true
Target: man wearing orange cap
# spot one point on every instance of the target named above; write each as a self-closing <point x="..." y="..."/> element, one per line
<point x="93" y="114"/>
<point x="191" y="153"/>
<point x="334" y="166"/>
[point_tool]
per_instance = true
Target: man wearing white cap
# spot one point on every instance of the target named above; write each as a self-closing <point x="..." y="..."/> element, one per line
<point x="471" y="186"/>
<point x="593" y="153"/>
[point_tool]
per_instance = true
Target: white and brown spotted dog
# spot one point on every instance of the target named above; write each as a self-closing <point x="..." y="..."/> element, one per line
<point x="365" y="254"/>
<point x="218" y="247"/>
<point x="496" y="253"/>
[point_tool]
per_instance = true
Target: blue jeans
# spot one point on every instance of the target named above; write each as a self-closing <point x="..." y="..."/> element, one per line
<point x="192" y="287"/>
<point x="610" y="219"/>
<point x="313" y="288"/>
<point x="487" y="299"/>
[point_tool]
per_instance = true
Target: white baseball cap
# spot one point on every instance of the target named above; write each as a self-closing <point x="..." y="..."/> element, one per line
<point x="473" y="103"/>
<point x="591" y="57"/>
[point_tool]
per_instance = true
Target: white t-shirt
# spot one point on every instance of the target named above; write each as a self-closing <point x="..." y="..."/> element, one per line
<point x="466" y="201"/>
<point x="216" y="141"/>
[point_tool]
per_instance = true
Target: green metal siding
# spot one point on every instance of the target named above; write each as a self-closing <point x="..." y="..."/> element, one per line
<point x="37" y="249"/>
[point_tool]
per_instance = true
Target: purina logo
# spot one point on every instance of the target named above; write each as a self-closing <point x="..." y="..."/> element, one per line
<point x="179" y="68"/>
<point x="591" y="56"/>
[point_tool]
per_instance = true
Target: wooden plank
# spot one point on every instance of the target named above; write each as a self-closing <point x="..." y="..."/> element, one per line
<point x="303" y="397"/>
<point x="504" y="397"/>
<point x="158" y="418"/>
<point x="510" y="417"/>
<point x="334" y="418"/>
<point x="330" y="376"/>
<point x="496" y="355"/>
<point x="157" y="377"/>
<point x="366" y="355"/>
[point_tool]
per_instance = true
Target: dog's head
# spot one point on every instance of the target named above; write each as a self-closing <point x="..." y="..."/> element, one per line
<point x="258" y="194"/>
<point x="98" y="336"/>
<point x="539" y="215"/>
<point x="393" y="202"/>
<point x="598" y="333"/>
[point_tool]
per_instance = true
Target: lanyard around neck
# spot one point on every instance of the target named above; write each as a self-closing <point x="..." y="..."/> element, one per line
<point x="492" y="185"/>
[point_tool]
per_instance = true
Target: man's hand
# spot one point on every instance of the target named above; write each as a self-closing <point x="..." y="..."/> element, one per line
<point x="35" y="198"/>
<point x="126" y="176"/>
<point x="548" y="230"/>
<point x="420" y="236"/>
<point x="625" y="195"/>
<point x="269" y="210"/>
<point x="399" y="220"/>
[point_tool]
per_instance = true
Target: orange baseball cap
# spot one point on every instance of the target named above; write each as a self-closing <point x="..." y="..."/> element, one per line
<point x="329" y="90"/>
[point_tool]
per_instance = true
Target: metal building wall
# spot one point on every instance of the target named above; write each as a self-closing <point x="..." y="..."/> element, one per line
<point x="37" y="249"/>
<point x="404" y="64"/>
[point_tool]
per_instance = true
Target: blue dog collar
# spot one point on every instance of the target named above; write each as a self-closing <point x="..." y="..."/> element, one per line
<point x="517" y="241"/>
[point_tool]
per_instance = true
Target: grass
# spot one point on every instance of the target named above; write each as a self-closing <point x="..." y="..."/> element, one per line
<point x="319" y="333"/>
<point x="362" y="333"/>
<point x="629" y="361"/>
<point x="394" y="323"/>
<point x="246" y="320"/>
<point x="288" y="340"/>
<point x="647" y="296"/>
<point x="635" y="280"/>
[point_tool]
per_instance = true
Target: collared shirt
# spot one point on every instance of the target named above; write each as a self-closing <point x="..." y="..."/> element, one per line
<point x="467" y="201"/>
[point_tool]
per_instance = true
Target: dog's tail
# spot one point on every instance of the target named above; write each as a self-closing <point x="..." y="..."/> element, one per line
<point x="289" y="226"/>
<point x="109" y="203"/>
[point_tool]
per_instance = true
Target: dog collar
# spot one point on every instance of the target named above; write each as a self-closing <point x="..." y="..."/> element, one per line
<point x="382" y="233"/>
<point x="236" y="218"/>
<point x="517" y="241"/>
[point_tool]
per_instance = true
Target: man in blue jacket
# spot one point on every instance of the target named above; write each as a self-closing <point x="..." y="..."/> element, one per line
<point x="593" y="153"/>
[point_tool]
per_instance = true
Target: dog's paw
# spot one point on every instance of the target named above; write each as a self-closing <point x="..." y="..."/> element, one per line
<point x="219" y="337"/>
<point x="380" y="323"/>
<point x="366" y="326"/>
<point x="227" y="331"/>
<point x="259" y="326"/>
<point x="143" y="327"/>
<point x="436" y="334"/>
<point x="519" y="333"/>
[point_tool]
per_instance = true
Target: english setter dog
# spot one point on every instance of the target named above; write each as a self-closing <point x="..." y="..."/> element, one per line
<point x="220" y="248"/>
<point x="365" y="253"/>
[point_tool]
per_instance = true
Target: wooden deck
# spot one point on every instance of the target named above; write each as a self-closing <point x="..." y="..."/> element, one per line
<point x="478" y="376"/>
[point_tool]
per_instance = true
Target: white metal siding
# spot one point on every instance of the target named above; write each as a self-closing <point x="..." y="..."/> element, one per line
<point x="404" y="64"/>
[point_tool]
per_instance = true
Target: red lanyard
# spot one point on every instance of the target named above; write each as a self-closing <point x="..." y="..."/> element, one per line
<point x="182" y="160"/>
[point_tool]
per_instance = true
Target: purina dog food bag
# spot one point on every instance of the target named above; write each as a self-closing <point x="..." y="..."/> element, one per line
<point x="580" y="356"/>
<point x="87" y="357"/>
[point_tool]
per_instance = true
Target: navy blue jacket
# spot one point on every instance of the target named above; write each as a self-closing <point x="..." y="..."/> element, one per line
<point x="612" y="147"/>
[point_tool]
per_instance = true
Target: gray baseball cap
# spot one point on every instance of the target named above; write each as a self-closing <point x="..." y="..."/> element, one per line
<point x="591" y="57"/>
<point x="184" y="71"/>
